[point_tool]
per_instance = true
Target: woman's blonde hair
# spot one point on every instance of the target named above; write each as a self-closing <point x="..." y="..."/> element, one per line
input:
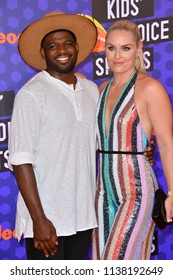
<point x="133" y="28"/>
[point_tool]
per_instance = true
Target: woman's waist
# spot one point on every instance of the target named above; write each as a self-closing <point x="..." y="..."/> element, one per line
<point x="123" y="151"/>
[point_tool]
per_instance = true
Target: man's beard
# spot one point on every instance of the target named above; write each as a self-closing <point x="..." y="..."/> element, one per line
<point x="63" y="69"/>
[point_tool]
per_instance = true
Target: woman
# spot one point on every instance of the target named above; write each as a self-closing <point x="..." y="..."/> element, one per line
<point x="132" y="104"/>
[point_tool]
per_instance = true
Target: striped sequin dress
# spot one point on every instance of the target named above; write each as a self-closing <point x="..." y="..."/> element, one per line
<point x="125" y="183"/>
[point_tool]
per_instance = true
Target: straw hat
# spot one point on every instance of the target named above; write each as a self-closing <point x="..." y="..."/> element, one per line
<point x="30" y="39"/>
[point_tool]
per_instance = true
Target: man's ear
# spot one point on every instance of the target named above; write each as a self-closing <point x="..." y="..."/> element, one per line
<point x="42" y="53"/>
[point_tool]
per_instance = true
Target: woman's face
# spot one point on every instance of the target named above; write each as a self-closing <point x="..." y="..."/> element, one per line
<point x="121" y="51"/>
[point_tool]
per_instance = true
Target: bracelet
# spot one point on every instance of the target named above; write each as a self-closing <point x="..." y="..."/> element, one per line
<point x="170" y="193"/>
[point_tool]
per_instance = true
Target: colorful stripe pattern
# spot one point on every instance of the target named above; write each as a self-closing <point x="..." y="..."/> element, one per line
<point x="125" y="184"/>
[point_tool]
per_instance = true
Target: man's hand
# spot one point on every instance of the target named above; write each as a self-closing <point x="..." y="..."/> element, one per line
<point x="45" y="237"/>
<point x="149" y="151"/>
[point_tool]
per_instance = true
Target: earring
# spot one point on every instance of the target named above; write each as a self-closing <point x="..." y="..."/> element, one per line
<point x="137" y="63"/>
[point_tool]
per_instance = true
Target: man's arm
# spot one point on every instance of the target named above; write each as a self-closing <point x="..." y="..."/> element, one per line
<point x="149" y="151"/>
<point x="45" y="237"/>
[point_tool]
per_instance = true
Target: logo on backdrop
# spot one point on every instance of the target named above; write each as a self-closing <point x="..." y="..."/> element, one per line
<point x="100" y="44"/>
<point x="10" y="38"/>
<point x="6" y="105"/>
<point x="110" y="10"/>
<point x="101" y="68"/>
<point x="156" y="31"/>
<point x="7" y="233"/>
<point x="152" y="31"/>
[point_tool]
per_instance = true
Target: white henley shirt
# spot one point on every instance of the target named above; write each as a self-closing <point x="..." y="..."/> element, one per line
<point x="53" y="128"/>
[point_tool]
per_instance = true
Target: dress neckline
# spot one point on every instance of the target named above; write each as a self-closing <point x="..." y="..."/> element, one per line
<point x="106" y="91"/>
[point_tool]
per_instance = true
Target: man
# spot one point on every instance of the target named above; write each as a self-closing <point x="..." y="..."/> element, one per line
<point x="52" y="140"/>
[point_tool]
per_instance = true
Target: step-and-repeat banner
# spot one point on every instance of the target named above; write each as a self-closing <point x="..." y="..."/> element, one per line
<point x="155" y="21"/>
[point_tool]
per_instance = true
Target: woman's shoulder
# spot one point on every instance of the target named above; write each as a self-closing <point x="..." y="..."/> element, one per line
<point x="103" y="85"/>
<point x="147" y="82"/>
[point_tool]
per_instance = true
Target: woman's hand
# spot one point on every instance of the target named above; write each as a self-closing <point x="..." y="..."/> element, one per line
<point x="169" y="208"/>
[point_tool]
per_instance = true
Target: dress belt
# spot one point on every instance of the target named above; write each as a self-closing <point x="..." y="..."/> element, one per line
<point x="120" y="152"/>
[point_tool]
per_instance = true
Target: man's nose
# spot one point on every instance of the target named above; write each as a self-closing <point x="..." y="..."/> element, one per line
<point x="61" y="48"/>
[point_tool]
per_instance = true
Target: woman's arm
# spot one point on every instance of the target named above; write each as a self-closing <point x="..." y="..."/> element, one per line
<point x="160" y="116"/>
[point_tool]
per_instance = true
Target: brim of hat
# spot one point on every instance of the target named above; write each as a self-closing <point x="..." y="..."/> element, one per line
<point x="30" y="39"/>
